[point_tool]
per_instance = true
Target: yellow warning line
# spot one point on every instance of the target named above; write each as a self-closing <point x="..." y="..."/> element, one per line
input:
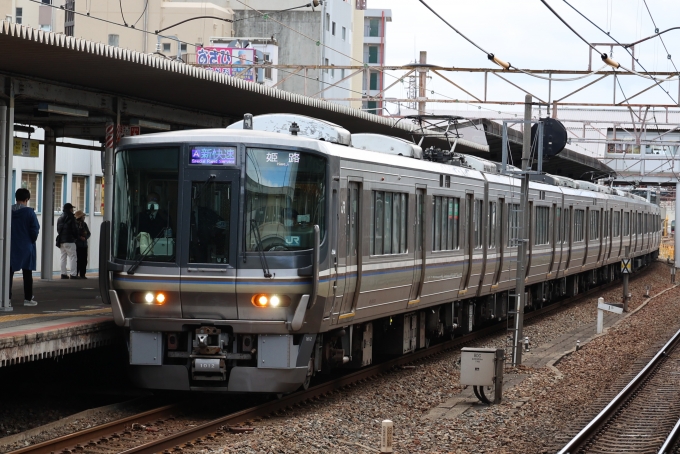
<point x="11" y="318"/>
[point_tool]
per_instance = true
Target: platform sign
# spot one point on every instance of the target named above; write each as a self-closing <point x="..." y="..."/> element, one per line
<point x="625" y="266"/>
<point x="615" y="308"/>
<point x="26" y="147"/>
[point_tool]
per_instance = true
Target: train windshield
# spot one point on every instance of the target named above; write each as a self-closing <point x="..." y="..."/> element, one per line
<point x="145" y="204"/>
<point x="285" y="198"/>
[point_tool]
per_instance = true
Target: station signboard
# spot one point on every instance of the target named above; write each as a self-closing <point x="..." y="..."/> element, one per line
<point x="26" y="147"/>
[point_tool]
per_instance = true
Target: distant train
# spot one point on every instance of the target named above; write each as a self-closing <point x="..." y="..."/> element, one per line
<point x="249" y="260"/>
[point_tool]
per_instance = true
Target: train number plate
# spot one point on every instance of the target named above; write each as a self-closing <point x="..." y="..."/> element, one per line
<point x="207" y="364"/>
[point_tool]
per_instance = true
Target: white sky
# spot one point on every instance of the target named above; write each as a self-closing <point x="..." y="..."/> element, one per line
<point x="528" y="35"/>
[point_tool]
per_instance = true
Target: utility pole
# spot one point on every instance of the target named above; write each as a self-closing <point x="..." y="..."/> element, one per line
<point x="522" y="240"/>
<point x="422" y="84"/>
<point x="676" y="235"/>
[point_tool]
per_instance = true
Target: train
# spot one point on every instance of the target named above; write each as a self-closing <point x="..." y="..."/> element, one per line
<point x="251" y="258"/>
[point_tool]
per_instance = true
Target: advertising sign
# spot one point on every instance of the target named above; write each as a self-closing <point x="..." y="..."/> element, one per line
<point x="208" y="56"/>
<point x="26" y="147"/>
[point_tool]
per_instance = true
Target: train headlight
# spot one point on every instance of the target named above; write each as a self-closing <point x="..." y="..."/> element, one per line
<point x="160" y="298"/>
<point x="264" y="300"/>
<point x="149" y="298"/>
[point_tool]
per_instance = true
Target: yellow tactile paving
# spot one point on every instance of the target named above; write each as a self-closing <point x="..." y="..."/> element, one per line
<point x="11" y="318"/>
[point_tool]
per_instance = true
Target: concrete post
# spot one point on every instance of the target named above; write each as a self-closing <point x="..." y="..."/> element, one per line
<point x="47" y="227"/>
<point x="422" y="84"/>
<point x="625" y="283"/>
<point x="676" y="235"/>
<point x="523" y="240"/>
<point x="386" y="437"/>
<point x="108" y="171"/>
<point x="5" y="225"/>
<point x="600" y="316"/>
<point x="500" y="363"/>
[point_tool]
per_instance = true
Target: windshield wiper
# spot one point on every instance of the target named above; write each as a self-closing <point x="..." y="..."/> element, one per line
<point x="263" y="260"/>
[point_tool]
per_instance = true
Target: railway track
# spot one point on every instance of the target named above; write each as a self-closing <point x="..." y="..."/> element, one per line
<point x="638" y="418"/>
<point x="159" y="431"/>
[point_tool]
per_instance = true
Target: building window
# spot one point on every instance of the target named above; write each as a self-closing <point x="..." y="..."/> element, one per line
<point x="328" y="21"/>
<point x="388" y="223"/>
<point x="325" y="62"/>
<point x="166" y="47"/>
<point x="579" y="215"/>
<point x="183" y="48"/>
<point x="332" y="71"/>
<point x="344" y="33"/>
<point x="267" y="71"/>
<point x="114" y="40"/>
<point x="342" y="73"/>
<point x="79" y="193"/>
<point x="31" y="181"/>
<point x="19" y="15"/>
<point x="333" y="29"/>
<point x="374" y="27"/>
<point x="46" y="28"/>
<point x="374" y="81"/>
<point x="69" y="17"/>
<point x="372" y="107"/>
<point x="542" y="224"/>
<point x="98" y="195"/>
<point x="373" y="54"/>
<point x="446" y="223"/>
<point x="513" y="224"/>
<point x="59" y="194"/>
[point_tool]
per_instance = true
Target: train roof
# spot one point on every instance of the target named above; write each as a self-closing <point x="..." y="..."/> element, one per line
<point x="264" y="138"/>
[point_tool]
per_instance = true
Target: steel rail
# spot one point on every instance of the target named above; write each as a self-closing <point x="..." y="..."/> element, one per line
<point x="672" y="438"/>
<point x="171" y="441"/>
<point x="620" y="400"/>
<point x="93" y="433"/>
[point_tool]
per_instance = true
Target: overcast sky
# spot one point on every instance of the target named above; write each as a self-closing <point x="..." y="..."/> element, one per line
<point x="528" y="35"/>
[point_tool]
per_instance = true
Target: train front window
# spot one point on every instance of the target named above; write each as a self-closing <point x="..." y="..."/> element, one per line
<point x="285" y="198"/>
<point x="145" y="204"/>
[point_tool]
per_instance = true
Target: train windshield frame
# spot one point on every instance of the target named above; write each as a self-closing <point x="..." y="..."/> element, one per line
<point x="144" y="217"/>
<point x="285" y="196"/>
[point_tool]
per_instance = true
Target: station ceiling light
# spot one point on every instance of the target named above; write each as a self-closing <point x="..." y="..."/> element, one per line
<point x="62" y="110"/>
<point x="150" y="124"/>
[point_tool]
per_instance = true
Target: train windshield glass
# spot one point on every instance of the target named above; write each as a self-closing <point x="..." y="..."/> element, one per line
<point x="285" y="198"/>
<point x="145" y="204"/>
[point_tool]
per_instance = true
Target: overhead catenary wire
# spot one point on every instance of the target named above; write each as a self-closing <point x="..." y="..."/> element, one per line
<point x="610" y="36"/>
<point x="660" y="38"/>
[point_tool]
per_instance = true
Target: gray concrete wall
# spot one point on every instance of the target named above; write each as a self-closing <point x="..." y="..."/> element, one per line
<point x="294" y="49"/>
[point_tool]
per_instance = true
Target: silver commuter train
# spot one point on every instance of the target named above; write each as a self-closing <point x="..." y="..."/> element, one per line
<point x="248" y="261"/>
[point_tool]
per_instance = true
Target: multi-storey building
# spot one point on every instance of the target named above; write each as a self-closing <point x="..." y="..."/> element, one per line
<point x="375" y="21"/>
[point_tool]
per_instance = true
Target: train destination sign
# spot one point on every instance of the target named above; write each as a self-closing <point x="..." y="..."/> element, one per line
<point x="213" y="156"/>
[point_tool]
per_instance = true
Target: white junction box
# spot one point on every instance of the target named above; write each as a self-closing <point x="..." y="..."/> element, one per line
<point x="477" y="366"/>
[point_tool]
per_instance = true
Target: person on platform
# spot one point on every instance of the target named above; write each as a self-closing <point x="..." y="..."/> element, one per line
<point x="25" y="229"/>
<point x="67" y="231"/>
<point x="81" y="243"/>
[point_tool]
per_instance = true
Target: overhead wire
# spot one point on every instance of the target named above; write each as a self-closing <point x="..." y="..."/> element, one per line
<point x="120" y="2"/>
<point x="146" y="5"/>
<point x="610" y="36"/>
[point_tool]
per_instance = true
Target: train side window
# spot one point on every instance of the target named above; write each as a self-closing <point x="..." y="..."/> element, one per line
<point x="605" y="225"/>
<point x="578" y="225"/>
<point x="542" y="223"/>
<point x="565" y="222"/>
<point x="639" y="223"/>
<point x="445" y="223"/>
<point x="626" y="224"/>
<point x="513" y="224"/>
<point x="558" y="225"/>
<point x="594" y="225"/>
<point x="616" y="224"/>
<point x="388" y="229"/>
<point x="479" y="211"/>
<point x="492" y="225"/>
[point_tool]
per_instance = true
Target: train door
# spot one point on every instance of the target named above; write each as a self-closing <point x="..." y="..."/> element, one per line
<point x="501" y="239"/>
<point x="568" y="229"/>
<point x="419" y="249"/>
<point x="208" y="230"/>
<point x="352" y="248"/>
<point x="602" y="218"/>
<point x="553" y="240"/>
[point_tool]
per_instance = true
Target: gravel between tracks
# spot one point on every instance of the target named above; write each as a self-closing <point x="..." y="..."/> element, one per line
<point x="349" y="421"/>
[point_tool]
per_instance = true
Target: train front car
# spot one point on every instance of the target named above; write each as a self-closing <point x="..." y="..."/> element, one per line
<point x="215" y="243"/>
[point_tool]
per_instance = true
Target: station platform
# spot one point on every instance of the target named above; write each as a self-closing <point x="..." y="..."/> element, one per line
<point x="70" y="317"/>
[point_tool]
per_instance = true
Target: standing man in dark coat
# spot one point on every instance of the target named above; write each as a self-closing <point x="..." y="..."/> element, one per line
<point x="68" y="234"/>
<point x="25" y="229"/>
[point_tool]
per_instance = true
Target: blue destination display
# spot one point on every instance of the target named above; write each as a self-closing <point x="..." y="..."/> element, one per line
<point x="212" y="156"/>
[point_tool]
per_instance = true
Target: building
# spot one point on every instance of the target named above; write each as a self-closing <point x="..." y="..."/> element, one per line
<point x="140" y="16"/>
<point x="319" y="36"/>
<point x="374" y="32"/>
